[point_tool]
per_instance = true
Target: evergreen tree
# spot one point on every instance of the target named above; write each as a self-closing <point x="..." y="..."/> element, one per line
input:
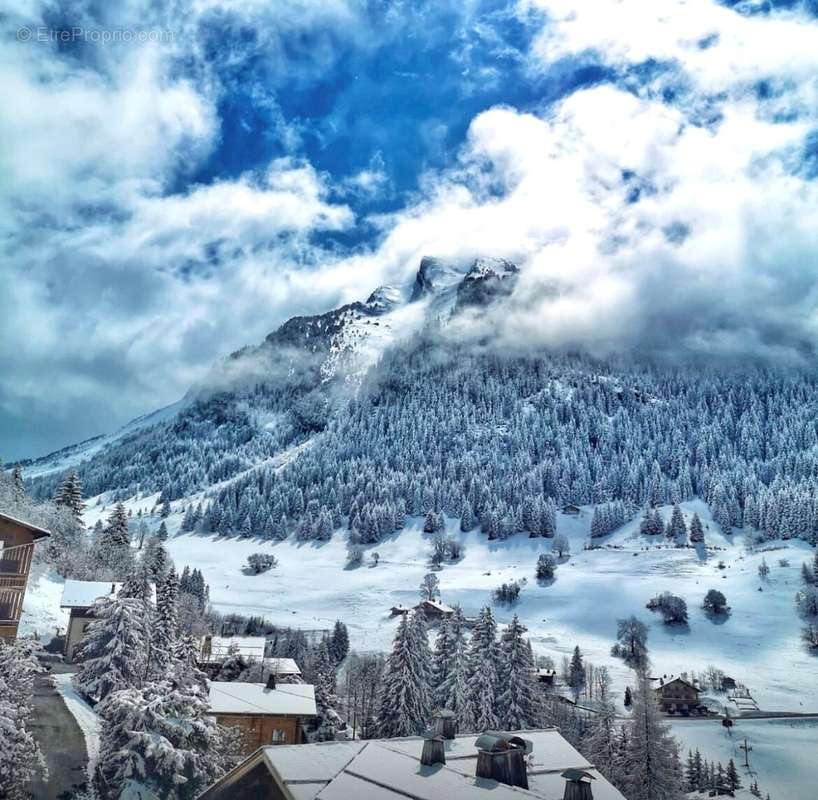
<point x="113" y="651"/>
<point x="576" y="672"/>
<point x="732" y="776"/>
<point x="339" y="642"/>
<point x="480" y="714"/>
<point x="69" y="495"/>
<point x="165" y="628"/>
<point x="517" y="706"/>
<point x="696" y="529"/>
<point x="403" y="706"/>
<point x="676" y="528"/>
<point x="20" y="757"/>
<point x="113" y="549"/>
<point x="327" y="720"/>
<point x="652" y="769"/>
<point x="599" y="743"/>
<point x="452" y="683"/>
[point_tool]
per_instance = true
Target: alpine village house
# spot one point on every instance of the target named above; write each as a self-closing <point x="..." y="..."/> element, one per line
<point x="17" y="540"/>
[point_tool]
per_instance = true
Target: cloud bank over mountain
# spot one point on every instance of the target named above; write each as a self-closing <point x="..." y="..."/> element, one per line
<point x="651" y="165"/>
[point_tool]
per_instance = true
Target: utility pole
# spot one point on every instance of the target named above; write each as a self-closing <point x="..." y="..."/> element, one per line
<point x="746" y="748"/>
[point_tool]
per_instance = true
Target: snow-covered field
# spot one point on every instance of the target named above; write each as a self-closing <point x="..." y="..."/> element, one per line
<point x="758" y="644"/>
<point x="782" y="758"/>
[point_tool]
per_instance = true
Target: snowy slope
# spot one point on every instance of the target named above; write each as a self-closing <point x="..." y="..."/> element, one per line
<point x="311" y="588"/>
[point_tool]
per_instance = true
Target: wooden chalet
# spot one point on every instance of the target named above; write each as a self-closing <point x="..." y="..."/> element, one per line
<point x="571" y="510"/>
<point x="266" y="713"/>
<point x="676" y="695"/>
<point x="17" y="540"/>
<point x="433" y="609"/>
<point x="546" y="676"/>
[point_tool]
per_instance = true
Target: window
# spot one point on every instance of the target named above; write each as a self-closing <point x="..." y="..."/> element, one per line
<point x="279" y="735"/>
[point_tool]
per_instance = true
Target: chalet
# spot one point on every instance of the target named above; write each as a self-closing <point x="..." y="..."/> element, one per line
<point x="494" y="766"/>
<point x="571" y="510"/>
<point x="546" y="676"/>
<point x="399" y="610"/>
<point x="266" y="713"/>
<point x="17" y="540"/>
<point x="677" y="694"/>
<point x="433" y="609"/>
<point x="728" y="684"/>
<point x="78" y="598"/>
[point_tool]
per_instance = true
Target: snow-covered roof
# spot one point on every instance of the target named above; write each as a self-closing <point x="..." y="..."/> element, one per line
<point x="36" y="531"/>
<point x="390" y="769"/>
<point x="282" y="666"/>
<point x="83" y="594"/>
<point x="296" y="699"/>
<point x="442" y="607"/>
<point x="223" y="646"/>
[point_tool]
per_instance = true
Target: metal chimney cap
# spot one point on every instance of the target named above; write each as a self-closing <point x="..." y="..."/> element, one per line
<point x="499" y="741"/>
<point x="577" y="775"/>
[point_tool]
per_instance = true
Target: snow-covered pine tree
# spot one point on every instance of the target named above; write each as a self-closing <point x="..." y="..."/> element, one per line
<point x="69" y="495"/>
<point x="20" y="757"/>
<point x="517" y="701"/>
<point x="441" y="662"/>
<point x="113" y="651"/>
<point x="113" y="550"/>
<point x="165" y="627"/>
<point x="652" y="768"/>
<point x="452" y="691"/>
<point x="481" y="714"/>
<point x="327" y="721"/>
<point x="600" y="743"/>
<point x="576" y="672"/>
<point x="676" y="528"/>
<point x="696" y="529"/>
<point x="339" y="642"/>
<point x="403" y="706"/>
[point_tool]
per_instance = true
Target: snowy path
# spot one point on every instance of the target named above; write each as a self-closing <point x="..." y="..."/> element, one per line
<point x="61" y="739"/>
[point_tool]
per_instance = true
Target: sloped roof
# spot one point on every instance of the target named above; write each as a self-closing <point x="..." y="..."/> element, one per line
<point x="229" y="697"/>
<point x="282" y="666"/>
<point x="674" y="679"/>
<point x="83" y="594"/>
<point x="390" y="769"/>
<point x="36" y="531"/>
<point x="442" y="607"/>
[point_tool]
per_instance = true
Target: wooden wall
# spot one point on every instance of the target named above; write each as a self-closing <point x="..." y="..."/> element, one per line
<point x="258" y="729"/>
<point x="14" y="568"/>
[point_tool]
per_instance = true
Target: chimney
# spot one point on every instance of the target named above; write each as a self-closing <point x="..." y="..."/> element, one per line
<point x="502" y="757"/>
<point x="433" y="750"/>
<point x="446" y="723"/>
<point x="271" y="681"/>
<point x="578" y="785"/>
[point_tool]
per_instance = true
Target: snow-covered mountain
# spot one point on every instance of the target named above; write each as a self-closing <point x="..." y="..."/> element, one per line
<point x="375" y="410"/>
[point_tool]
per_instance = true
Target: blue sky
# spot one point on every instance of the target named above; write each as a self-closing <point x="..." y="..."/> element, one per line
<point x="174" y="196"/>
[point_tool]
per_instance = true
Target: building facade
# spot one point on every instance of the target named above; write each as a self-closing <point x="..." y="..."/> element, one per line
<point x="17" y="540"/>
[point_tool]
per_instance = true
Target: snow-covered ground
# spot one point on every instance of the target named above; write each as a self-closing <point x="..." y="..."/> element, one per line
<point x="782" y="758"/>
<point x="758" y="643"/>
<point x="41" y="607"/>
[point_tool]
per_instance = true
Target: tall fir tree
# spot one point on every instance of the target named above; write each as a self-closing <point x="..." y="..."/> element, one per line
<point x="517" y="700"/>
<point x="481" y="714"/>
<point x="403" y="706"/>
<point x="652" y="767"/>
<point x="69" y="495"/>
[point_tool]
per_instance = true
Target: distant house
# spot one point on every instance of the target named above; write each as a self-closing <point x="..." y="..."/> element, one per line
<point x="434" y="609"/>
<point x="546" y="676"/>
<point x="78" y="597"/>
<point x="17" y="540"/>
<point x="677" y="695"/>
<point x="399" y="610"/>
<point x="571" y="510"/>
<point x="536" y="764"/>
<point x="266" y="713"/>
<point x="728" y="684"/>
